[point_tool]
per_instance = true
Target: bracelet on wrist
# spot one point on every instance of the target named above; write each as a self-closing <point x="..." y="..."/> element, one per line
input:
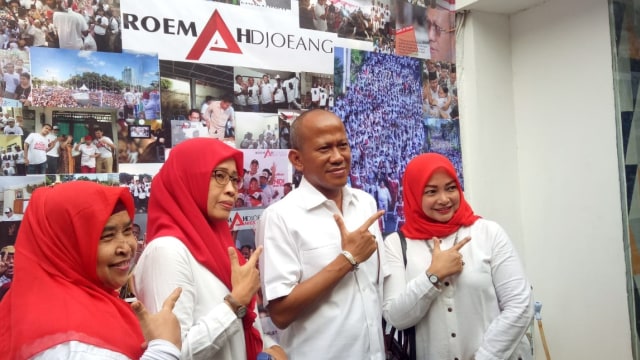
<point x="350" y="259"/>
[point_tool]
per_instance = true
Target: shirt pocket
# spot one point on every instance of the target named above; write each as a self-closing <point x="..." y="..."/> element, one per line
<point x="314" y="260"/>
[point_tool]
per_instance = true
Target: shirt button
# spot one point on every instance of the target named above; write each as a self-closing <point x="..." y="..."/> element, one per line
<point x="453" y="334"/>
<point x="446" y="283"/>
<point x="449" y="309"/>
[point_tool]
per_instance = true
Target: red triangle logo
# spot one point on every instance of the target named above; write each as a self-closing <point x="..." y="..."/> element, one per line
<point x="217" y="31"/>
<point x="237" y="221"/>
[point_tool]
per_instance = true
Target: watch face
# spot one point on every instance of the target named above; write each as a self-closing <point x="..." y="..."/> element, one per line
<point x="242" y="311"/>
<point x="434" y="279"/>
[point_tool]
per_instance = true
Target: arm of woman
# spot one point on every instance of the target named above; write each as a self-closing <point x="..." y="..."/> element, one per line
<point x="514" y="297"/>
<point x="164" y="267"/>
<point x="405" y="303"/>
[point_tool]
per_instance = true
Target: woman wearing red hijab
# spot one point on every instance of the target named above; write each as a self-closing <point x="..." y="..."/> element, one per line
<point x="73" y="253"/>
<point x="190" y="246"/>
<point x="463" y="288"/>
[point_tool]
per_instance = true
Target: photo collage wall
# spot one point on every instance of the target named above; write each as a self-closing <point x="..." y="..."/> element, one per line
<point x="120" y="82"/>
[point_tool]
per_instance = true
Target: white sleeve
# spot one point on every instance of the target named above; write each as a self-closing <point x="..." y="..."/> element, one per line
<point x="514" y="298"/>
<point x="161" y="350"/>
<point x="405" y="303"/>
<point x="76" y="350"/>
<point x="164" y="268"/>
<point x="280" y="269"/>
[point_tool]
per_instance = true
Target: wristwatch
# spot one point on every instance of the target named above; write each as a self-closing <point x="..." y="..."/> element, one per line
<point x="239" y="309"/>
<point x="434" y="279"/>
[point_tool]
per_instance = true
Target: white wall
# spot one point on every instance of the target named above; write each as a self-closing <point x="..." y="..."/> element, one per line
<point x="540" y="157"/>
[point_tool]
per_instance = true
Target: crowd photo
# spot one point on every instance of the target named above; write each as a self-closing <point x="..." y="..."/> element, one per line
<point x="385" y="127"/>
<point x="92" y="25"/>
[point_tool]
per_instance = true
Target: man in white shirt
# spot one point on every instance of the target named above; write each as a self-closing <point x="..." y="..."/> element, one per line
<point x="384" y="196"/>
<point x="240" y="93"/>
<point x="88" y="154"/>
<point x="39" y="36"/>
<point x="279" y="99"/>
<point x="9" y="215"/>
<point x="36" y="146"/>
<point x="217" y="114"/>
<point x="113" y="31"/>
<point x="12" y="128"/>
<point x="320" y="15"/>
<point x="11" y="79"/>
<point x="129" y="104"/>
<point x="253" y="101"/>
<point x="205" y="104"/>
<point x="290" y="87"/>
<point x="100" y="29"/>
<point x="266" y="95"/>
<point x="19" y="157"/>
<point x="104" y="163"/>
<point x="269" y="194"/>
<point x="314" y="240"/>
<point x="70" y="26"/>
<point x="53" y="155"/>
<point x="8" y="170"/>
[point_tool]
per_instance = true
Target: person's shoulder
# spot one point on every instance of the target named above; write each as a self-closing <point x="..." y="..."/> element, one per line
<point x="361" y="195"/>
<point x="486" y="223"/>
<point x="488" y="228"/>
<point x="167" y="245"/>
<point x="287" y="204"/>
<point x="166" y="241"/>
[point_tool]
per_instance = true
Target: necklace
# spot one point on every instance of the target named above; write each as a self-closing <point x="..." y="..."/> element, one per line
<point x="455" y="241"/>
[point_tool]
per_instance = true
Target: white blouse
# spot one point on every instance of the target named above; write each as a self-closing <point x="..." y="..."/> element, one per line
<point x="481" y="313"/>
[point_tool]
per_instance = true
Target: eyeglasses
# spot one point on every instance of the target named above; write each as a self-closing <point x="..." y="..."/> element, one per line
<point x="436" y="28"/>
<point x="222" y="178"/>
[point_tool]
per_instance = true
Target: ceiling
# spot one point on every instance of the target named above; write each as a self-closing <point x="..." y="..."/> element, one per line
<point x="506" y="7"/>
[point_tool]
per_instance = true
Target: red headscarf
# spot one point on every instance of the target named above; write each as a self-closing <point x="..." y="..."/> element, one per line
<point x="56" y="295"/>
<point x="416" y="176"/>
<point x="178" y="208"/>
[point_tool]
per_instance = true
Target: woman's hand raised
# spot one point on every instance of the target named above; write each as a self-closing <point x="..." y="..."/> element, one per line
<point x="245" y="279"/>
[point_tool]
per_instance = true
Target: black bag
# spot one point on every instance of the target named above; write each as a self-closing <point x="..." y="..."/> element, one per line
<point x="400" y="344"/>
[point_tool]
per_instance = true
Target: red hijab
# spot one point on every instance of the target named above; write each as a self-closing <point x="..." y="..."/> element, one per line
<point x="178" y="208"/>
<point x="416" y="176"/>
<point x="56" y="295"/>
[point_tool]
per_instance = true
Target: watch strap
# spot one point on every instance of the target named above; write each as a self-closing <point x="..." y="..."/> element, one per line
<point x="350" y="259"/>
<point x="237" y="308"/>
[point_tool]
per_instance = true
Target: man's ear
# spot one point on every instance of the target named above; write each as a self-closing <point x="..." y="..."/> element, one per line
<point x="294" y="158"/>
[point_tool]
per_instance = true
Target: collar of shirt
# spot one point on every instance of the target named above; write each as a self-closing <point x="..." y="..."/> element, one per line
<point x="314" y="198"/>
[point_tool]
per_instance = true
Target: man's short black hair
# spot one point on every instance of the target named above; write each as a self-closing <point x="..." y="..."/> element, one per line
<point x="227" y="98"/>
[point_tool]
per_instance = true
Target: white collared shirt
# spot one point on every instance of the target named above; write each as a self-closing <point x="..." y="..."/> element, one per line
<point x="481" y="313"/>
<point x="300" y="237"/>
<point x="210" y="329"/>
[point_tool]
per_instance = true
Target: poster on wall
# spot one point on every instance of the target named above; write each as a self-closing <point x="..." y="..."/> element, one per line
<point x="425" y="30"/>
<point x="377" y="100"/>
<point x="237" y="70"/>
<point x="15" y="68"/>
<point x="222" y="34"/>
<point x="84" y="79"/>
